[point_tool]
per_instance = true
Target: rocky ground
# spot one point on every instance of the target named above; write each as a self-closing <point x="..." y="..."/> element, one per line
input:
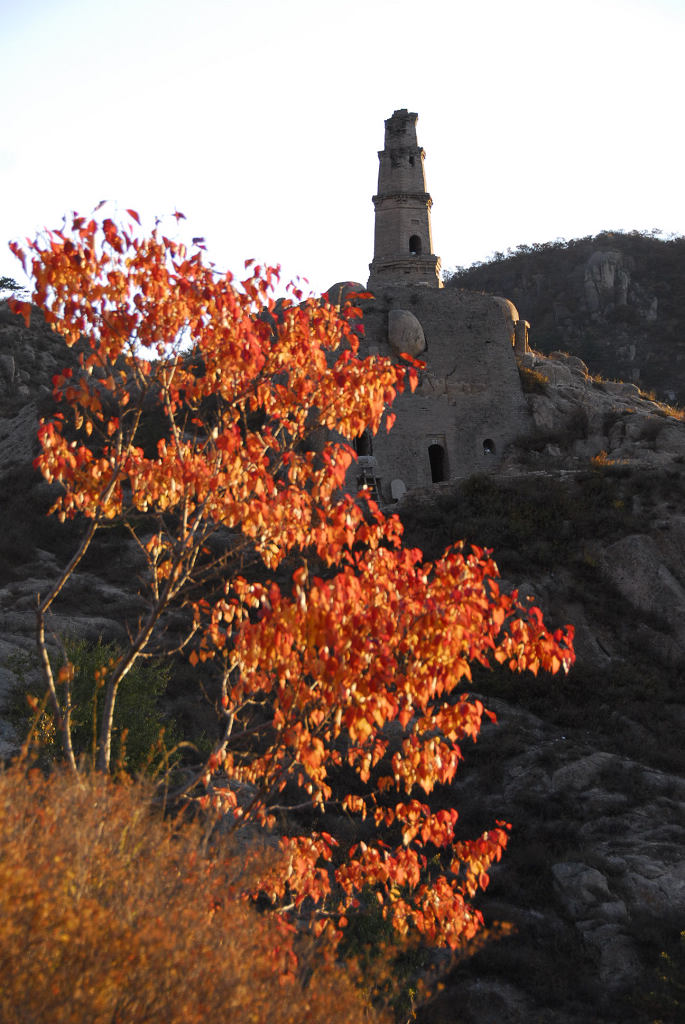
<point x="587" y="516"/>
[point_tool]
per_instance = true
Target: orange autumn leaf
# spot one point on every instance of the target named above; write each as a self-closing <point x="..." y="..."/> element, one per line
<point x="215" y="425"/>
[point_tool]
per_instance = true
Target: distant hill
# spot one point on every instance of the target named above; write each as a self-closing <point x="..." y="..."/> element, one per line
<point x="616" y="300"/>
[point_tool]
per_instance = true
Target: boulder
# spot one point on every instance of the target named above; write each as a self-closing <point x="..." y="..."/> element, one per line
<point x="573" y="362"/>
<point x="618" y="387"/>
<point x="405" y="333"/>
<point x="339" y="292"/>
<point x="634" y="565"/>
<point x="671" y="438"/>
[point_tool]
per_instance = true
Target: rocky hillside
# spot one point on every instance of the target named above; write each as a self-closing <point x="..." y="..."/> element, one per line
<point x="615" y="300"/>
<point x="587" y="515"/>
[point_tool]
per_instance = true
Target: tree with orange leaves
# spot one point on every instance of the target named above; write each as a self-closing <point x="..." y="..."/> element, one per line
<point x="338" y="653"/>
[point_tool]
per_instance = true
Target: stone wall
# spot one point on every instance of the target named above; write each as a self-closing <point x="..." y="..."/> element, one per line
<point x="469" y="404"/>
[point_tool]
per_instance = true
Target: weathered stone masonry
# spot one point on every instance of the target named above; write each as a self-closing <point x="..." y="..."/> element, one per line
<point x="469" y="404"/>
<point x="403" y="241"/>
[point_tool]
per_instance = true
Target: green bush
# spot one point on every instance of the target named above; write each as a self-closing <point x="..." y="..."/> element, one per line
<point x="396" y="970"/>
<point x="142" y="733"/>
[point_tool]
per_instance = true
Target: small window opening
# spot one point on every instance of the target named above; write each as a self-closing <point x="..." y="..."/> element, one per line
<point x="436" y="454"/>
<point x="415" y="245"/>
<point x="363" y="444"/>
<point x="411" y="161"/>
<point x="488" y="446"/>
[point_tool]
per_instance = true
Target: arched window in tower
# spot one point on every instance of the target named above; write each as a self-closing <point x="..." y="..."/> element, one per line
<point x="363" y="444"/>
<point x="436" y="454"/>
<point x="415" y="245"/>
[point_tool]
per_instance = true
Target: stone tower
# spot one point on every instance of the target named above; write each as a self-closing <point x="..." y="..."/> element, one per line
<point x="403" y="243"/>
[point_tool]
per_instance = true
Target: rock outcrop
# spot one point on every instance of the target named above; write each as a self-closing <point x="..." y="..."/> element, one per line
<point x="596" y="869"/>
<point x="607" y="280"/>
<point x="584" y="416"/>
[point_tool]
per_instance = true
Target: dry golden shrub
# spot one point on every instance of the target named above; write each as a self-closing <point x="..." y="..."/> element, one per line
<point x="108" y="913"/>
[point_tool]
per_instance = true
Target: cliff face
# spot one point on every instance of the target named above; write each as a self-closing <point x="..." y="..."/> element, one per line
<point x="615" y="300"/>
<point x="587" y="516"/>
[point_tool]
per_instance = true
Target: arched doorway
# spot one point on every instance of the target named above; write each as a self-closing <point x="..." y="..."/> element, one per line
<point x="363" y="444"/>
<point x="415" y="245"/>
<point x="436" y="454"/>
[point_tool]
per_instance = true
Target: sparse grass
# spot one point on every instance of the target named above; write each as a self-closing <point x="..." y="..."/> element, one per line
<point x="664" y="407"/>
<point x="532" y="381"/>
<point x="602" y="459"/>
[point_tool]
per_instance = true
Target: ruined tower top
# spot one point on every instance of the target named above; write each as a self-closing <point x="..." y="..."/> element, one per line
<point x="403" y="242"/>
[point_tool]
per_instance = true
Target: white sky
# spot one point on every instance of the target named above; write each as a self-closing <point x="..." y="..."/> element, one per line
<point x="261" y="120"/>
